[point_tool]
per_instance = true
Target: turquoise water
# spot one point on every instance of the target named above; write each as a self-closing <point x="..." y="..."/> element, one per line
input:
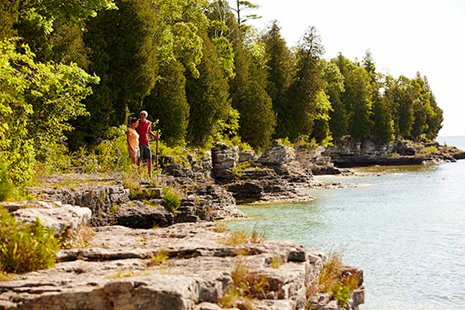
<point x="405" y="229"/>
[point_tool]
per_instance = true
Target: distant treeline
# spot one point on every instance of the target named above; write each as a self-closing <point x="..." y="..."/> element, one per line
<point x="74" y="69"/>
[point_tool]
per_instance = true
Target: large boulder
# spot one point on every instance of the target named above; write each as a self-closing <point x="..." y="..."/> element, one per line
<point x="137" y="214"/>
<point x="277" y="155"/>
<point x="224" y="160"/>
<point x="56" y="216"/>
<point x="98" y="198"/>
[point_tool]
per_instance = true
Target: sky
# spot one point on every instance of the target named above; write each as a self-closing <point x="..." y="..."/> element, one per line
<point x="404" y="36"/>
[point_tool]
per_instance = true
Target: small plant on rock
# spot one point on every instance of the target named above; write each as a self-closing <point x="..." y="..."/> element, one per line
<point x="79" y="238"/>
<point x="238" y="171"/>
<point x="245" y="286"/>
<point x="221" y="227"/>
<point x="159" y="258"/>
<point x="276" y="262"/>
<point x="335" y="280"/>
<point x="342" y="294"/>
<point x="257" y="236"/>
<point x="6" y="276"/>
<point x="235" y="238"/>
<point x="171" y="198"/>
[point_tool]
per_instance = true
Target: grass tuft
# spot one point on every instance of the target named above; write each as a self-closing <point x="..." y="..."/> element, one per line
<point x="241" y="237"/>
<point x="221" y="227"/>
<point x="235" y="238"/>
<point x="245" y="287"/>
<point x="79" y="238"/>
<point x="159" y="258"/>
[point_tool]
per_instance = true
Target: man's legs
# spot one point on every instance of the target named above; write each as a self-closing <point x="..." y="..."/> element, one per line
<point x="146" y="156"/>
<point x="149" y="167"/>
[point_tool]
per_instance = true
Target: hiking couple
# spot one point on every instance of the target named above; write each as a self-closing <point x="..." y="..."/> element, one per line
<point x="139" y="130"/>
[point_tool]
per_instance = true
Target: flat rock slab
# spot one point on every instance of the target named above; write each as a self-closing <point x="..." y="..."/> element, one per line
<point x="117" y="271"/>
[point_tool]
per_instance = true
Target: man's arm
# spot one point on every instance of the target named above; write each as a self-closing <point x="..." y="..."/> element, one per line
<point x="151" y="133"/>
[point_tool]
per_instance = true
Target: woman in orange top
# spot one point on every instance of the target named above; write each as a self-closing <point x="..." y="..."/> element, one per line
<point x="133" y="140"/>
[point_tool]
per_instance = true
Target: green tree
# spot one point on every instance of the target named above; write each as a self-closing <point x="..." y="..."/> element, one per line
<point x="381" y="120"/>
<point x="382" y="130"/>
<point x="207" y="95"/>
<point x="435" y="116"/>
<point x="358" y="100"/>
<point x="124" y="56"/>
<point x="279" y="64"/>
<point x="338" y="118"/>
<point x="168" y="103"/>
<point x="403" y="104"/>
<point x="35" y="22"/>
<point x="249" y="97"/>
<point x="8" y="17"/>
<point x="301" y="96"/>
<point x="240" y="6"/>
<point x="37" y="101"/>
<point x="321" y="131"/>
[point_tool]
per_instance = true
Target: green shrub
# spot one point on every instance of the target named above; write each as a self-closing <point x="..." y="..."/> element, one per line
<point x="57" y="159"/>
<point x="342" y="294"/>
<point x="171" y="198"/>
<point x="429" y="150"/>
<point x="25" y="247"/>
<point x="6" y="188"/>
<point x="110" y="155"/>
<point x="238" y="171"/>
<point x="285" y="142"/>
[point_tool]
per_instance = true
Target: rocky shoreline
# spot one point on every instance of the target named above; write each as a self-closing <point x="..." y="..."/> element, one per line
<point x="118" y="271"/>
<point x="399" y="153"/>
<point x="132" y="225"/>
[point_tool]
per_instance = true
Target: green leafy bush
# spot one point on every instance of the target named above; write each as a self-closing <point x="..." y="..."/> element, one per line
<point x="171" y="198"/>
<point x="110" y="155"/>
<point x="37" y="102"/>
<point x="25" y="247"/>
<point x="6" y="188"/>
<point x="342" y="294"/>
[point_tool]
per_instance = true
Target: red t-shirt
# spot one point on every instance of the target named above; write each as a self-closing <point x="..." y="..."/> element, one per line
<point x="143" y="130"/>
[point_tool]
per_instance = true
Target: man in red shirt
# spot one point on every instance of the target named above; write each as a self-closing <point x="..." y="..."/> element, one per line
<point x="144" y="129"/>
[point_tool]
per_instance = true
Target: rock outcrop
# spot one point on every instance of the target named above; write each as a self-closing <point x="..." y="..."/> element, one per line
<point x="224" y="160"/>
<point x="185" y="266"/>
<point x="94" y="192"/>
<point x="368" y="153"/>
<point x="55" y="215"/>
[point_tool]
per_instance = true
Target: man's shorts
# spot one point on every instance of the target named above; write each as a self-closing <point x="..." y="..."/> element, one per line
<point x="145" y="153"/>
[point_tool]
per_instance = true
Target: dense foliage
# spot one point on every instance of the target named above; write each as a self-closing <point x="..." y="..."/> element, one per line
<point x="71" y="70"/>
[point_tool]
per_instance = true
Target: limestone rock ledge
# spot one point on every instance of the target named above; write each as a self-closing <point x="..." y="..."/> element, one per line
<point x="114" y="272"/>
